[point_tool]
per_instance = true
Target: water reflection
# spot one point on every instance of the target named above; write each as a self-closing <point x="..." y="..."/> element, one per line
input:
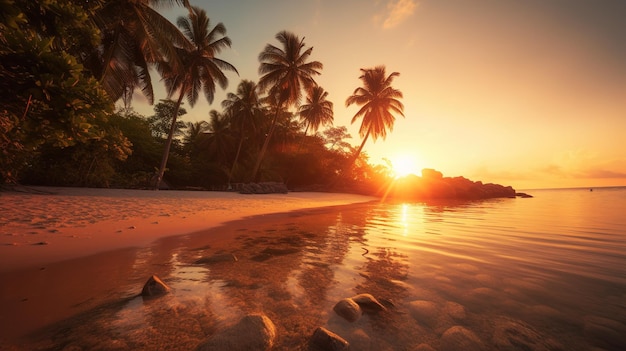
<point x="482" y="270"/>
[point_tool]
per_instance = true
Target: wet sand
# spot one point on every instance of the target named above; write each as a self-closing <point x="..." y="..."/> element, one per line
<point x="64" y="251"/>
<point x="53" y="224"/>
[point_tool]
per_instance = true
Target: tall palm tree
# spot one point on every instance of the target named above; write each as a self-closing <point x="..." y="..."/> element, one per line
<point x="244" y="107"/>
<point x="378" y="100"/>
<point x="200" y="67"/>
<point x="317" y="111"/>
<point x="134" y="36"/>
<point x="285" y="74"/>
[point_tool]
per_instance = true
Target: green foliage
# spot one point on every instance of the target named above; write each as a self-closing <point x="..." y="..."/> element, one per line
<point x="46" y="97"/>
<point x="161" y="121"/>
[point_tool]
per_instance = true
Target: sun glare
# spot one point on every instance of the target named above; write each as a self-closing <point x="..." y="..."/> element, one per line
<point x="404" y="165"/>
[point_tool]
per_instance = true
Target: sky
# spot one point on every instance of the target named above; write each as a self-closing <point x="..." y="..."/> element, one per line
<point x="530" y="94"/>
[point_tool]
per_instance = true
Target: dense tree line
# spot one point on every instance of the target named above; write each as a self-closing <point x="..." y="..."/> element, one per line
<point x="64" y="64"/>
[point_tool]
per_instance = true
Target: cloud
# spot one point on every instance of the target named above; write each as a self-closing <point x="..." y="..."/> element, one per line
<point x="603" y="173"/>
<point x="398" y="11"/>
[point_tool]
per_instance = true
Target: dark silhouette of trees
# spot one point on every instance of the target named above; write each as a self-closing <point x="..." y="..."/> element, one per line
<point x="200" y="69"/>
<point x="245" y="110"/>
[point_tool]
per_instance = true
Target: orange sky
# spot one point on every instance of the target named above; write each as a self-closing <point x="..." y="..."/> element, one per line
<point x="524" y="93"/>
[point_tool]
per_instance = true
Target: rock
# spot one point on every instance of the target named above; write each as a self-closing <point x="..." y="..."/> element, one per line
<point x="326" y="340"/>
<point x="523" y="195"/>
<point x="254" y="332"/>
<point x="359" y="340"/>
<point x="425" y="312"/>
<point x="154" y="287"/>
<point x="348" y="309"/>
<point x="368" y="303"/>
<point x="455" y="310"/>
<point x="459" y="338"/>
<point x="225" y="257"/>
<point x="605" y="332"/>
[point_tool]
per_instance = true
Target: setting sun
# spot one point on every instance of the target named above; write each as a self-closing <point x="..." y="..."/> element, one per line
<point x="403" y="165"/>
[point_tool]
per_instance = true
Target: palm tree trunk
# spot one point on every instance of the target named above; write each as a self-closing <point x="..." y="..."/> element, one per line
<point x="265" y="144"/>
<point x="168" y="143"/>
<point x="297" y="152"/>
<point x="358" y="152"/>
<point x="232" y="168"/>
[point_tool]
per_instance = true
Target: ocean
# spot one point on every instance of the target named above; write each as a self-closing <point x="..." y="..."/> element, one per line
<point x="541" y="273"/>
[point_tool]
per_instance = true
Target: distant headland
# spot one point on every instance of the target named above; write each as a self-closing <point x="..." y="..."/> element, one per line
<point x="433" y="185"/>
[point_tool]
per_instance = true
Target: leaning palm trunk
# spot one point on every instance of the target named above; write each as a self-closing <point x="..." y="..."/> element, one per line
<point x="358" y="152"/>
<point x="168" y="143"/>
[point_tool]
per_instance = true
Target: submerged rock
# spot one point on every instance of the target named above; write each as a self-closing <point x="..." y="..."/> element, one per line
<point x="254" y="332"/>
<point x="458" y="338"/>
<point x="425" y="312"/>
<point x="348" y="309"/>
<point x="326" y="340"/>
<point x="154" y="287"/>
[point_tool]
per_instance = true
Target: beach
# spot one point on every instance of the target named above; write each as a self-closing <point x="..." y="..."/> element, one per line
<point x="49" y="224"/>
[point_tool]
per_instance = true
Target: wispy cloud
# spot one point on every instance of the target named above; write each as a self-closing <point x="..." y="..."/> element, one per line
<point x="398" y="11"/>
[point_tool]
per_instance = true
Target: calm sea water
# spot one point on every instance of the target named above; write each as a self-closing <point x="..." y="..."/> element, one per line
<point x="546" y="273"/>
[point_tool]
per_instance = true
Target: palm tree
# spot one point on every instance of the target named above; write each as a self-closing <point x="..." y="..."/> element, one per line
<point x="133" y="37"/>
<point x="220" y="140"/>
<point x="285" y="74"/>
<point x="378" y="100"/>
<point x="200" y="68"/>
<point x="244" y="108"/>
<point x="194" y="136"/>
<point x="317" y="111"/>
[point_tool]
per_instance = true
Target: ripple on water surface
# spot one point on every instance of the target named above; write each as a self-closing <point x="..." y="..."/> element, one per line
<point x="515" y="274"/>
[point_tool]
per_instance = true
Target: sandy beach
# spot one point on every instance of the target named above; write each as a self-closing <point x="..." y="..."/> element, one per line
<point x="51" y="224"/>
<point x="64" y="251"/>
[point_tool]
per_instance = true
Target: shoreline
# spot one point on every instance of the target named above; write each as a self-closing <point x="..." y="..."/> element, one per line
<point x="35" y="300"/>
<point x="56" y="224"/>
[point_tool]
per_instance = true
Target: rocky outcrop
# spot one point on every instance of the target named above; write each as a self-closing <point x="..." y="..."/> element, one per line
<point x="433" y="185"/>
<point x="264" y="188"/>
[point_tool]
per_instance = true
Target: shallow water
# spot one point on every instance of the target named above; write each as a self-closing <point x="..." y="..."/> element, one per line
<point x="547" y="273"/>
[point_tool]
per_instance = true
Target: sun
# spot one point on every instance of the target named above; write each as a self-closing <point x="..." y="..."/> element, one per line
<point x="403" y="165"/>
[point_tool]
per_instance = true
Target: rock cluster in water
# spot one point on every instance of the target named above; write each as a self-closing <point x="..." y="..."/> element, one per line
<point x="264" y="188"/>
<point x="433" y="185"/>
